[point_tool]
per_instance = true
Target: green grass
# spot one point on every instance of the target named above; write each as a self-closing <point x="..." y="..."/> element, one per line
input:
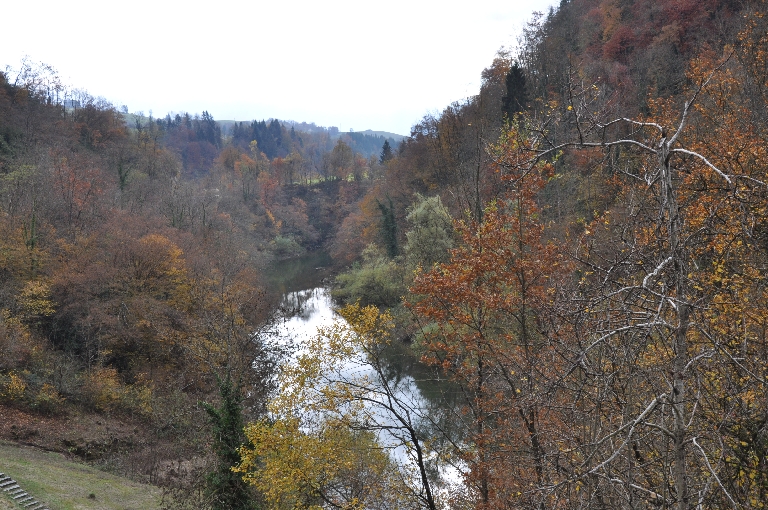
<point x="5" y="504"/>
<point x="66" y="485"/>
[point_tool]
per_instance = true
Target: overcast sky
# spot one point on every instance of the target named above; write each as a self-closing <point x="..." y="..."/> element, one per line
<point x="351" y="64"/>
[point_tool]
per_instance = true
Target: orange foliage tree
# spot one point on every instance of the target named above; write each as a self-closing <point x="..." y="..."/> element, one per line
<point x="662" y="379"/>
<point x="488" y="321"/>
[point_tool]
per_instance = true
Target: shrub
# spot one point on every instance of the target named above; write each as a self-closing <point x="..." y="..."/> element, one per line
<point x="13" y="388"/>
<point x="285" y="247"/>
<point x="377" y="281"/>
<point x="48" y="400"/>
<point x="102" y="388"/>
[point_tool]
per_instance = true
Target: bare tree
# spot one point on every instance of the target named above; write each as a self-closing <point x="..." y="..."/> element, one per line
<point x="654" y="378"/>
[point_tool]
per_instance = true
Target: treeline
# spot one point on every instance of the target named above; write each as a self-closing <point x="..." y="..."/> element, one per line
<point x="275" y="140"/>
<point x="126" y="287"/>
<point x="634" y="52"/>
<point x="579" y="254"/>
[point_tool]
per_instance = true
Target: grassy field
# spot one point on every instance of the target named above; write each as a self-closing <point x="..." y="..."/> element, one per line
<point x="5" y="504"/>
<point x="66" y="485"/>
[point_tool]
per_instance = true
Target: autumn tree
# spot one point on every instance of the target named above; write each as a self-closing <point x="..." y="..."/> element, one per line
<point x="487" y="321"/>
<point x="339" y="161"/>
<point x="666" y="278"/>
<point x="338" y="412"/>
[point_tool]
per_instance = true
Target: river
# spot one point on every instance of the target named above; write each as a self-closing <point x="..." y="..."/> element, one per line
<point x="307" y="305"/>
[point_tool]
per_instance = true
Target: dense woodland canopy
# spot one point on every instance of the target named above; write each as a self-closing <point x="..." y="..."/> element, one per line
<point x="577" y="254"/>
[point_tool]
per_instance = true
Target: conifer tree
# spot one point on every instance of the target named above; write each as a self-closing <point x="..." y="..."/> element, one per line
<point x="226" y="489"/>
<point x="389" y="227"/>
<point x="386" y="152"/>
<point x="516" y="98"/>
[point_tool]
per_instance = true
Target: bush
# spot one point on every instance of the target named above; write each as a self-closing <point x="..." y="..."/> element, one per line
<point x="376" y="281"/>
<point x="16" y="342"/>
<point x="12" y="388"/>
<point x="103" y="390"/>
<point x="285" y="247"/>
<point x="48" y="400"/>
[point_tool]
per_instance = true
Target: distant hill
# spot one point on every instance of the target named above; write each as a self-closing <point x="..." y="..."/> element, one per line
<point x="367" y="143"/>
<point x="227" y="125"/>
<point x="385" y="134"/>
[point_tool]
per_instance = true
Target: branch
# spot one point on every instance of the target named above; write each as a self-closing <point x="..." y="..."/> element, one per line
<point x="622" y="329"/>
<point x="631" y="426"/>
<point x="542" y="153"/>
<point x="661" y="429"/>
<point x="705" y="354"/>
<point x="722" y="349"/>
<point x="656" y="271"/>
<point x="656" y="497"/>
<point x="688" y="104"/>
<point x="711" y="470"/>
<point x="627" y="141"/>
<point x="758" y="181"/>
<point x="630" y="121"/>
<point x="706" y="162"/>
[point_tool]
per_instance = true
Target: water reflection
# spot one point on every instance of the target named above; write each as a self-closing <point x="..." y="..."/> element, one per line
<point x="305" y="311"/>
<point x="393" y="390"/>
<point x="297" y="274"/>
<point x="303" y="304"/>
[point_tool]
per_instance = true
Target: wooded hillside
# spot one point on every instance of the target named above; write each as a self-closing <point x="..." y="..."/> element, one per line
<point x="598" y="303"/>
<point x="572" y="262"/>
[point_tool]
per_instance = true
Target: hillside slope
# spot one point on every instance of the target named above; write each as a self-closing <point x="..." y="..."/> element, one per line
<point x="66" y="485"/>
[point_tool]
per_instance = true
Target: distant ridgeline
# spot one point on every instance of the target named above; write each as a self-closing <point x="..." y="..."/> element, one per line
<point x="275" y="137"/>
<point x="370" y="142"/>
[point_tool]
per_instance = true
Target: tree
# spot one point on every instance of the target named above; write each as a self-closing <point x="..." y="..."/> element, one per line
<point x="389" y="228"/>
<point x="375" y="280"/>
<point x="340" y="161"/>
<point x="386" y="152"/>
<point x="516" y="99"/>
<point x="649" y="378"/>
<point x="430" y="237"/>
<point x="209" y="130"/>
<point x="327" y="464"/>
<point x="487" y="320"/>
<point x="336" y="397"/>
<point x="226" y="489"/>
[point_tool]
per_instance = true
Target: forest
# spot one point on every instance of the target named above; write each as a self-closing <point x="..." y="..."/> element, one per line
<point x="569" y="267"/>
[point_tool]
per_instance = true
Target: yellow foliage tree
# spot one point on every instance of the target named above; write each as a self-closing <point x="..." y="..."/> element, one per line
<point x="335" y="414"/>
<point x="330" y="465"/>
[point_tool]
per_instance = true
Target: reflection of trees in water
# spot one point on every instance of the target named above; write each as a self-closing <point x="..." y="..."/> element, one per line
<point x="405" y="396"/>
<point x="290" y="275"/>
<point x="436" y="396"/>
<point x="301" y="304"/>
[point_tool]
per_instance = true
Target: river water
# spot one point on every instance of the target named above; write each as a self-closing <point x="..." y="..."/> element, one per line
<point x="307" y="305"/>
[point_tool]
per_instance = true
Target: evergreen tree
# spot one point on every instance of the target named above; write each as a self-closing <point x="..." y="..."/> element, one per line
<point x="276" y="131"/>
<point x="208" y="130"/>
<point x="386" y="152"/>
<point x="226" y="489"/>
<point x="516" y="99"/>
<point x="389" y="227"/>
